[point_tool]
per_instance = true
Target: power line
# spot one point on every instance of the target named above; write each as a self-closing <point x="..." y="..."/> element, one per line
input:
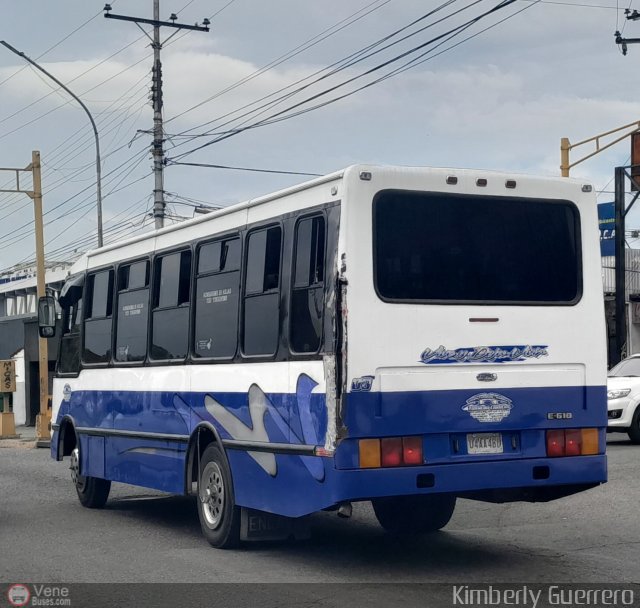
<point x="6" y="118"/>
<point x="18" y="237"/>
<point x="615" y="8"/>
<point x="55" y="45"/>
<point x="279" y="116"/>
<point x="248" y="169"/>
<point x="78" y="150"/>
<point x="311" y="42"/>
<point x="330" y="70"/>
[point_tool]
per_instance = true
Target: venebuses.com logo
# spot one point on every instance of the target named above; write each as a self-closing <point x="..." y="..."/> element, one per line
<point x="18" y="595"/>
<point x="21" y="595"/>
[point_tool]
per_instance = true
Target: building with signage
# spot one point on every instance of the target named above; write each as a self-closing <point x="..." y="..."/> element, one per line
<point x="19" y="333"/>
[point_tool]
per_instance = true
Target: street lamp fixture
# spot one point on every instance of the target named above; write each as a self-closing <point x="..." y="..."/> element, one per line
<point x="93" y="124"/>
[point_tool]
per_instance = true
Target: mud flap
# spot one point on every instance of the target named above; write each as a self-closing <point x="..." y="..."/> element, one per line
<point x="259" y="525"/>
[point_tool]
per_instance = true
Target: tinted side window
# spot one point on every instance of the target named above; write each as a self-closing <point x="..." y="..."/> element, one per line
<point x="134" y="276"/>
<point x="132" y="314"/>
<point x="217" y="299"/>
<point x="262" y="297"/>
<point x="219" y="256"/>
<point x="69" y="360"/>
<point x="171" y="292"/>
<point x="98" y="317"/>
<point x="307" y="296"/>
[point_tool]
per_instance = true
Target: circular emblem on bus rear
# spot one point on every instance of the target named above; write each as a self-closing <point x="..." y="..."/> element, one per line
<point x="488" y="407"/>
<point x="66" y="392"/>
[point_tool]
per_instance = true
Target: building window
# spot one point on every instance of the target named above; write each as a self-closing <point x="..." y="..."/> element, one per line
<point x="98" y="318"/>
<point x="132" y="312"/>
<point x="307" y="296"/>
<point x="217" y="300"/>
<point x="170" y="317"/>
<point x="261" y="290"/>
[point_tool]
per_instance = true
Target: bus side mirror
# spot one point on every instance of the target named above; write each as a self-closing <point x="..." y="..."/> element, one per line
<point x="47" y="317"/>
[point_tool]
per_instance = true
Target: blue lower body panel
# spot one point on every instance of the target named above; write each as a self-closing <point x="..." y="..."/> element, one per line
<point x="564" y="475"/>
<point x="117" y="443"/>
<point x="468" y="477"/>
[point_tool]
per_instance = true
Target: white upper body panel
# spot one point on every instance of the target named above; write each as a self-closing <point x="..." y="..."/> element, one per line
<point x="386" y="339"/>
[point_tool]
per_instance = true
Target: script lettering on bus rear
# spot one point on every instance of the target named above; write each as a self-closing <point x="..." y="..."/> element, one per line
<point x="483" y="354"/>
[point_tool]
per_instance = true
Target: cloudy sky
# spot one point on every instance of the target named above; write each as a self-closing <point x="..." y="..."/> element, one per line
<point x="498" y="95"/>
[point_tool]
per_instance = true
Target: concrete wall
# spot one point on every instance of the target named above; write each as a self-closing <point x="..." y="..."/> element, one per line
<point x="11" y="336"/>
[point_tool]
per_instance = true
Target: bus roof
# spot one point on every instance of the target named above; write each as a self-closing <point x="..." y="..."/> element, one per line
<point x="196" y="228"/>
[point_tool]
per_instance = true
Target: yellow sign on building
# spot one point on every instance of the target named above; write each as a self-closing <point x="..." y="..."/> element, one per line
<point x="7" y="376"/>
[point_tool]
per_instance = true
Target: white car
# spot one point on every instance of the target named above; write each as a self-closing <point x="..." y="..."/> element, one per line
<point x="623" y="397"/>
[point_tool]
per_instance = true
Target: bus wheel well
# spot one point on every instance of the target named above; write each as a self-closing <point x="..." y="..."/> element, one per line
<point x="67" y="441"/>
<point x="200" y="440"/>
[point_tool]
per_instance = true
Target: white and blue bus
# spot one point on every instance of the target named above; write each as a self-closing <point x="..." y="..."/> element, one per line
<point x="404" y="336"/>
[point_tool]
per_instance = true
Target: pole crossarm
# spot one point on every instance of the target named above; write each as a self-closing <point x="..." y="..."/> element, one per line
<point x="25" y="170"/>
<point x="17" y="189"/>
<point x="29" y="193"/>
<point x="156" y="23"/>
<point x="566" y="146"/>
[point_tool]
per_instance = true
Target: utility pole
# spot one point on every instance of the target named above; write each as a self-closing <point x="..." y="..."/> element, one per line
<point x="35" y="194"/>
<point x="157" y="148"/>
<point x="623" y="42"/>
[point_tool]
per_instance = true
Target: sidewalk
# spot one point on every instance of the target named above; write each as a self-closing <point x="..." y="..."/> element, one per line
<point x="26" y="438"/>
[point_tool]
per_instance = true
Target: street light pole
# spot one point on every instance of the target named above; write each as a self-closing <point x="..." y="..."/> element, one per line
<point x="93" y="124"/>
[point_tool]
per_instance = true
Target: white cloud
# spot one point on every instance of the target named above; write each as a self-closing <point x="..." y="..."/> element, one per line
<point x="501" y="101"/>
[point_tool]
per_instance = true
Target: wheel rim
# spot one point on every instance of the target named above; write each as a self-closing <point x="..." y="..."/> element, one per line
<point x="212" y="494"/>
<point x="77" y="479"/>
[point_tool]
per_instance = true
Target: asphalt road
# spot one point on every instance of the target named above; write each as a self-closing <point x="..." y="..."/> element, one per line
<point x="142" y="536"/>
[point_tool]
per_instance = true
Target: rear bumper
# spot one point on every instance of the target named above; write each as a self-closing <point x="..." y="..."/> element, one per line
<point x="529" y="479"/>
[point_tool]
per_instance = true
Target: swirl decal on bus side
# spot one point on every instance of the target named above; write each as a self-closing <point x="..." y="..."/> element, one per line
<point x="483" y="354"/>
<point x="259" y="406"/>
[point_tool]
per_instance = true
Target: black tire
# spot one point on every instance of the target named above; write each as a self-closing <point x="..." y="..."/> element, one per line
<point x="634" y="429"/>
<point x="93" y="492"/>
<point x="217" y="510"/>
<point x="414" y="514"/>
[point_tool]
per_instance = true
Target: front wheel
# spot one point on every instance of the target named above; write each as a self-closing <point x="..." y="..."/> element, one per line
<point x="414" y="514"/>
<point x="219" y="515"/>
<point x="93" y="492"/>
<point x="634" y="429"/>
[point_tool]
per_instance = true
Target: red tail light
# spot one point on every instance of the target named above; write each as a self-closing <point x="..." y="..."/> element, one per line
<point x="555" y="443"/>
<point x="573" y="442"/>
<point x="412" y="450"/>
<point x="391" y="452"/>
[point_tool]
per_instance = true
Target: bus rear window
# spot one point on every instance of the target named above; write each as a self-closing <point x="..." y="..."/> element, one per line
<point x="434" y="247"/>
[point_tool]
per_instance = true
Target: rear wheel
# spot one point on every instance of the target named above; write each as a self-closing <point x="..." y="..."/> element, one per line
<point x="93" y="492"/>
<point x="634" y="429"/>
<point x="219" y="515"/>
<point x="414" y="514"/>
